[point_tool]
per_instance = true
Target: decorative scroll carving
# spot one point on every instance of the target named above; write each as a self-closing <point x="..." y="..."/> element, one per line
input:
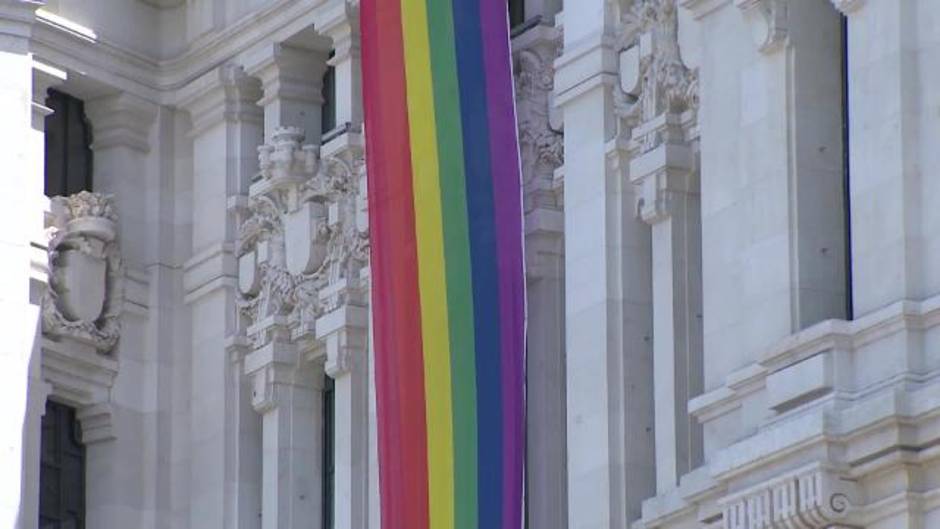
<point x="814" y="499"/>
<point x="301" y="240"/>
<point x="85" y="294"/>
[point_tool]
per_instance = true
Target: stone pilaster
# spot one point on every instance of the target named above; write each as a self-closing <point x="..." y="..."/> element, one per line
<point x="343" y="327"/>
<point x="892" y="153"/>
<point x="287" y="392"/>
<point x="657" y="100"/>
<point x="121" y="126"/>
<point x="22" y="266"/>
<point x="668" y="199"/>
<point x="225" y="431"/>
<point x="607" y="294"/>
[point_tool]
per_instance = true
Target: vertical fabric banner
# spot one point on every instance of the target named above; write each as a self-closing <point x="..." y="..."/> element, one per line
<point x="448" y="283"/>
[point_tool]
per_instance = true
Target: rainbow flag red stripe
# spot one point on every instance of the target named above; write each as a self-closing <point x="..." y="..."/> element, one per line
<point x="448" y="278"/>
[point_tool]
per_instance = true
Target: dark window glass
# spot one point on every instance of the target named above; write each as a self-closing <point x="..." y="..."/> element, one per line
<point x="62" y="470"/>
<point x="328" y="115"/>
<point x="68" y="146"/>
<point x="846" y="197"/>
<point x="329" y="451"/>
<point x="516" y="12"/>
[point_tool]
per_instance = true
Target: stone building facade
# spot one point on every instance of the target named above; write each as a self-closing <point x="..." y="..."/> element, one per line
<point x="733" y="264"/>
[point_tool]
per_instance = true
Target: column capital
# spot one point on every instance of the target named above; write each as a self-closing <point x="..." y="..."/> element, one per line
<point x="662" y="166"/>
<point x="121" y="119"/>
<point x="226" y="94"/>
<point x="345" y="333"/>
<point x="271" y="367"/>
<point x="289" y="72"/>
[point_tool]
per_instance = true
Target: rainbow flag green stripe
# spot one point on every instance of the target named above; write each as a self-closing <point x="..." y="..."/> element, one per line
<point x="447" y="265"/>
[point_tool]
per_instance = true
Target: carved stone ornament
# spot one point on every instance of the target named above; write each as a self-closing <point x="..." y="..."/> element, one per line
<point x="85" y="294"/>
<point x="768" y="22"/>
<point x="541" y="141"/>
<point x="812" y="499"/>
<point x="654" y="79"/>
<point x="300" y="234"/>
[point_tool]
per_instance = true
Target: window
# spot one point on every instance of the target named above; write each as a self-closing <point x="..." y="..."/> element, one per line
<point x="62" y="470"/>
<point x="516" y="13"/>
<point x="329" y="451"/>
<point x="328" y="112"/>
<point x="68" y="146"/>
<point x="846" y="190"/>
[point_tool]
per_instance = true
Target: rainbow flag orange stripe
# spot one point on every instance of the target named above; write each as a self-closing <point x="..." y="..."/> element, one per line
<point x="448" y="289"/>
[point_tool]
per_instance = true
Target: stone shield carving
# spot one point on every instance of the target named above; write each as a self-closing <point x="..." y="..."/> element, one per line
<point x="83" y="301"/>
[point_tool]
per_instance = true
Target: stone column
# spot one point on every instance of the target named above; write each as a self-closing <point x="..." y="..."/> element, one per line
<point x="225" y="433"/>
<point x="542" y="153"/>
<point x="607" y="288"/>
<point x="893" y="149"/>
<point x="292" y="80"/>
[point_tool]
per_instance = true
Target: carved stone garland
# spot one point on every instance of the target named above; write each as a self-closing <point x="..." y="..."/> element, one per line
<point x="299" y="234"/>
<point x="85" y="294"/>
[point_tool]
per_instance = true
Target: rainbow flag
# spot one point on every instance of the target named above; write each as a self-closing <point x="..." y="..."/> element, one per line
<point x="448" y="285"/>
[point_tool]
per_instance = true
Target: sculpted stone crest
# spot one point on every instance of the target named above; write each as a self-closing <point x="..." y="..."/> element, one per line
<point x="299" y="236"/>
<point x="83" y="301"/>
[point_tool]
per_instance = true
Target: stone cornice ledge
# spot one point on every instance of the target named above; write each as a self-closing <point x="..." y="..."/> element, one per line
<point x="824" y="336"/>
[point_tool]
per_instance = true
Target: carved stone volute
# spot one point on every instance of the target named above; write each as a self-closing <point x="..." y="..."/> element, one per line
<point x="85" y="294"/>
